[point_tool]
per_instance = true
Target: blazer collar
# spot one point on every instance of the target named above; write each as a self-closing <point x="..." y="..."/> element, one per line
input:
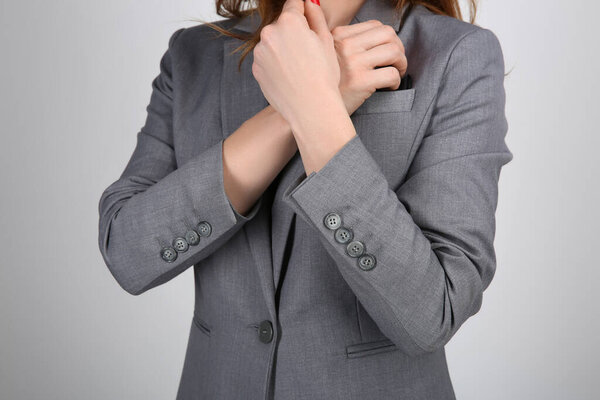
<point x="382" y="10"/>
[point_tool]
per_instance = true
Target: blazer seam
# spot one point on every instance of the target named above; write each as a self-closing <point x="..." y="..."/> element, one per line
<point x="396" y="317"/>
<point x="385" y="301"/>
<point x="358" y="317"/>
<point x="436" y="95"/>
<point x="483" y="153"/>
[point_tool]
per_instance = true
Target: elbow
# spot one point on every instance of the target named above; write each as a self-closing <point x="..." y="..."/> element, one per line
<point x="428" y="335"/>
<point x="126" y="280"/>
<point x="128" y="286"/>
<point x="427" y="321"/>
<point x="414" y="345"/>
<point x="124" y="274"/>
<point x="132" y="289"/>
<point x="433" y="344"/>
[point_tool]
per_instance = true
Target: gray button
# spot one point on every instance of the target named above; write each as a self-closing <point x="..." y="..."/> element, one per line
<point x="180" y="244"/>
<point x="367" y="262"/>
<point x="332" y="221"/>
<point x="168" y="254"/>
<point x="204" y="228"/>
<point x="355" y="248"/>
<point x="343" y="235"/>
<point x="192" y="237"/>
<point x="265" y="331"/>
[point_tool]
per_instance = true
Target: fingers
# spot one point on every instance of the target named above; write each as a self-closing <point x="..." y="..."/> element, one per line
<point x="343" y="31"/>
<point x="378" y="35"/>
<point x="375" y="44"/>
<point x="292" y="15"/>
<point x="316" y="19"/>
<point x="293" y="6"/>
<point x="386" y="77"/>
<point x="384" y="55"/>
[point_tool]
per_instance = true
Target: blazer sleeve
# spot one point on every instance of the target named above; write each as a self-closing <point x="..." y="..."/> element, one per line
<point x="427" y="250"/>
<point x="153" y="203"/>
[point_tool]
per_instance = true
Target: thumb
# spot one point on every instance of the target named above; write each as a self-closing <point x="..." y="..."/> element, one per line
<point x="293" y="5"/>
<point x="315" y="17"/>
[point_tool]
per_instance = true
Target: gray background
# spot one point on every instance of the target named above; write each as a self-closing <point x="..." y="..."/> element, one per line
<point x="75" y="79"/>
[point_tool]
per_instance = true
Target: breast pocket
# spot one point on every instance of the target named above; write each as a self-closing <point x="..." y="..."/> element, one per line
<point x="387" y="101"/>
<point x="387" y="123"/>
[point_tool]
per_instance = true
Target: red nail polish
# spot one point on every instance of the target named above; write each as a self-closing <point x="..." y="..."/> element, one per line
<point x="317" y="2"/>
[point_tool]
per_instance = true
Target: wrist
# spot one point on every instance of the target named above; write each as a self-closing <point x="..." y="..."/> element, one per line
<point x="276" y="119"/>
<point x="282" y="126"/>
<point x="329" y="114"/>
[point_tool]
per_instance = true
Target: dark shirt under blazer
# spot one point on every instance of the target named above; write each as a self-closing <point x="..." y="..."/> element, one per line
<point x="343" y="284"/>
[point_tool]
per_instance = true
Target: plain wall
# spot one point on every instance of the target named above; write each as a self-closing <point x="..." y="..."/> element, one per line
<point x="75" y="79"/>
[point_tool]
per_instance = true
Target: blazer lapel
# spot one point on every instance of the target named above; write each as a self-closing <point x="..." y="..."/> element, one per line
<point x="284" y="214"/>
<point x="241" y="96"/>
<point x="241" y="99"/>
<point x="371" y="9"/>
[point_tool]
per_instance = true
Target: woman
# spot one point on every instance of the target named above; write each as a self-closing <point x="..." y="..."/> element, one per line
<point x="340" y="221"/>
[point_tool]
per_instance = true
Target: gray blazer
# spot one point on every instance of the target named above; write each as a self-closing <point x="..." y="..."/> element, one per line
<point x="397" y="230"/>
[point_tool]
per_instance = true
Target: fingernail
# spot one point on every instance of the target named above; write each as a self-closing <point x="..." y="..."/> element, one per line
<point x="317" y="2"/>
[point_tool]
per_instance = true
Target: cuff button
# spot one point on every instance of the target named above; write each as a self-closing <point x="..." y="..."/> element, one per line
<point x="332" y="221"/>
<point x="192" y="237"/>
<point x="204" y="228"/>
<point x="343" y="235"/>
<point x="355" y="248"/>
<point x="180" y="244"/>
<point x="367" y="262"/>
<point x="168" y="254"/>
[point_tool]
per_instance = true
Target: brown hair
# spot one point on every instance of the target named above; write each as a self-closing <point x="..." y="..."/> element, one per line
<point x="269" y="11"/>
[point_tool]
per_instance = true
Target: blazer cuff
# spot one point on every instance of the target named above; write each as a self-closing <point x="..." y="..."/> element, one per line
<point x="243" y="218"/>
<point x="346" y="180"/>
<point x="353" y="186"/>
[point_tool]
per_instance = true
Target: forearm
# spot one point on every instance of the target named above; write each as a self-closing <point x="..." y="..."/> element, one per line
<point x="418" y="256"/>
<point x="253" y="155"/>
<point x="322" y="130"/>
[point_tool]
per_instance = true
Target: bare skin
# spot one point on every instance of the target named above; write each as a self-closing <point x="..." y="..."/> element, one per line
<point x="312" y="92"/>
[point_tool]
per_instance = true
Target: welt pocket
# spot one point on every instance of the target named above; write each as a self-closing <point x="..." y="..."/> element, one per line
<point x="387" y="101"/>
<point x="202" y="325"/>
<point x="369" y="348"/>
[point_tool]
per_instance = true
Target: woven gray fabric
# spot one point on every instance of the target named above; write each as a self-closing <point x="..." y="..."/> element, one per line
<point x="417" y="186"/>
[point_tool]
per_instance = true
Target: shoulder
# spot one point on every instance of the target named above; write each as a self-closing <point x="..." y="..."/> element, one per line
<point x="453" y="39"/>
<point x="199" y="37"/>
<point x="198" y="48"/>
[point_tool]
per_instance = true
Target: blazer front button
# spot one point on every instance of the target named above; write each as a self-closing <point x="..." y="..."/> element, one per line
<point x="180" y="244"/>
<point x="168" y="254"/>
<point x="355" y="248"/>
<point x="192" y="237"/>
<point x="343" y="235"/>
<point x="367" y="262"/>
<point x="332" y="221"/>
<point x="265" y="331"/>
<point x="204" y="228"/>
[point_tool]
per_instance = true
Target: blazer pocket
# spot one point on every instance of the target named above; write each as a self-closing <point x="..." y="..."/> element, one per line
<point x="370" y="348"/>
<point x="387" y="102"/>
<point x="203" y="326"/>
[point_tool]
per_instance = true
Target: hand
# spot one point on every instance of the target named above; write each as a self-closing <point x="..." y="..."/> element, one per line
<point x="360" y="47"/>
<point x="295" y="62"/>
